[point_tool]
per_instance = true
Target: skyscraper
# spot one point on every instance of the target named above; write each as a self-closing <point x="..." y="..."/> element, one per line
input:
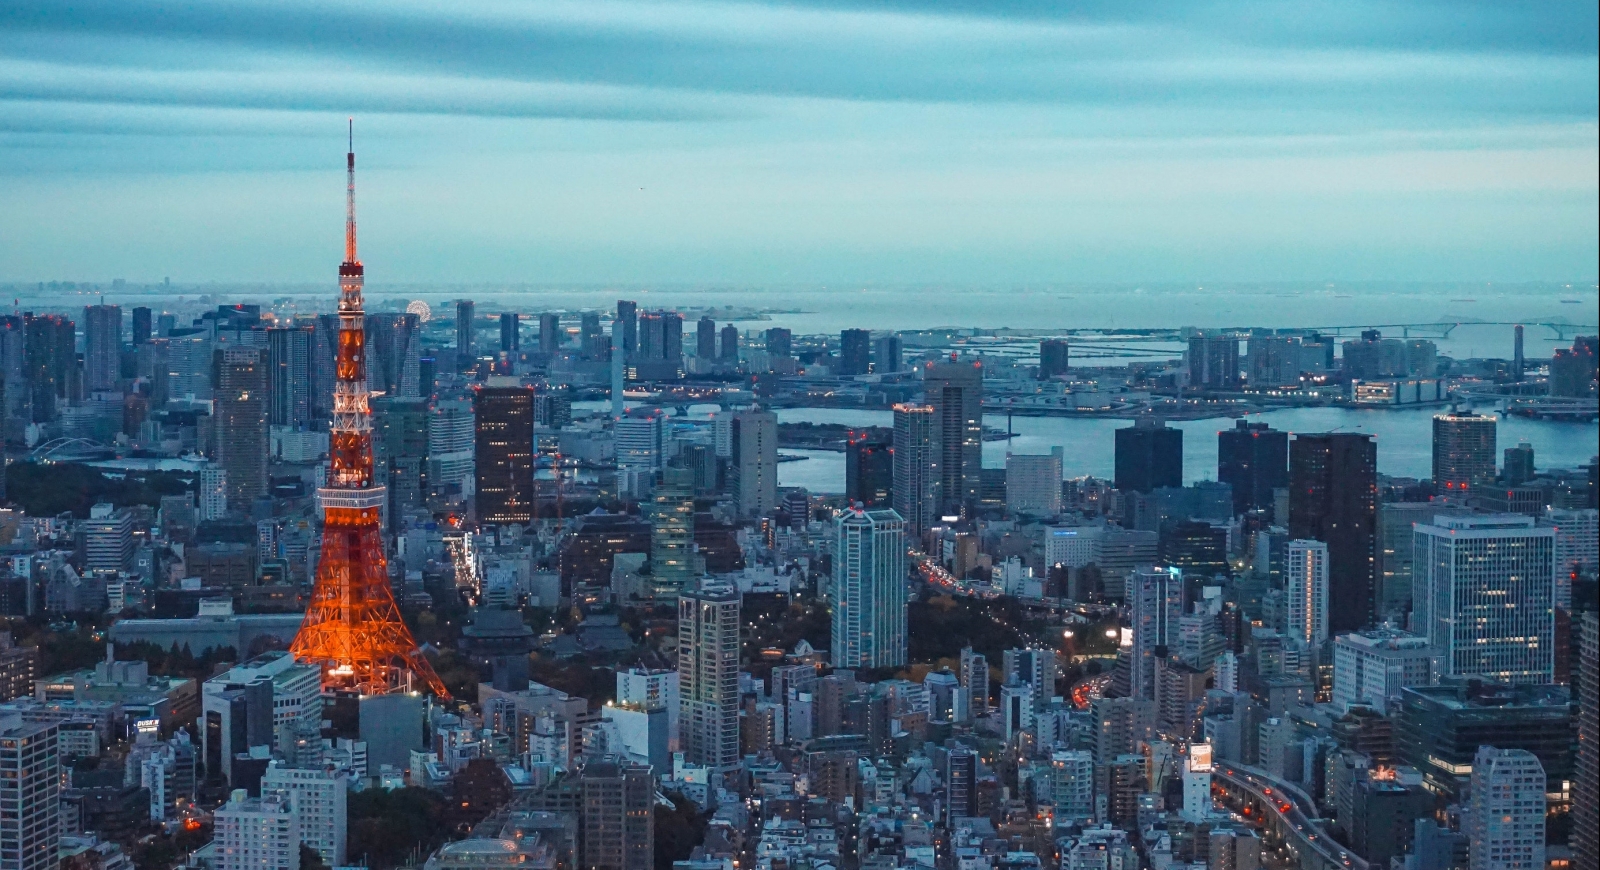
<point x="1054" y="358"/>
<point x="1033" y="483"/>
<point x="510" y="331"/>
<point x="240" y="417"/>
<point x="1149" y="454"/>
<point x="1586" y="785"/>
<point x="916" y="468"/>
<point x="400" y="452"/>
<point x="753" y="468"/>
<point x="886" y="354"/>
<point x="955" y="392"/>
<point x="616" y="819"/>
<point x="1519" y="464"/>
<point x="141" y="325"/>
<point x="550" y="334"/>
<point x="452" y="436"/>
<point x="50" y="360"/>
<point x="974" y="678"/>
<point x="466" y="334"/>
<point x="1463" y="451"/>
<point x="1505" y="827"/>
<point x="672" y="534"/>
<point x="30" y="794"/>
<point x="730" y="345"/>
<point x="705" y="339"/>
<point x="1253" y="458"/>
<point x="855" y="351"/>
<point x="641" y="443"/>
<point x="779" y="342"/>
<point x="869" y="590"/>
<point x="1485" y="589"/>
<point x="503" y="455"/>
<point x="394" y="353"/>
<point x="708" y="674"/>
<point x="102" y="346"/>
<point x="628" y="318"/>
<point x="289" y="376"/>
<point x="1333" y="498"/>
<point x="869" y="470"/>
<point x="1213" y="362"/>
<point x="1156" y="595"/>
<point x="1306" y="594"/>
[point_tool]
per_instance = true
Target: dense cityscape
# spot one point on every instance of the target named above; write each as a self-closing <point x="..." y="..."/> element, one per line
<point x="299" y="585"/>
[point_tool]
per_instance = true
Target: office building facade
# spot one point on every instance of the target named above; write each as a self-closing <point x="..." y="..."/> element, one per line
<point x="1253" y="458"/>
<point x="1463" y="452"/>
<point x="503" y="460"/>
<point x="1149" y="454"/>
<point x="1485" y="596"/>
<point x="1333" y="498"/>
<point x="708" y="675"/>
<point x="869" y="590"/>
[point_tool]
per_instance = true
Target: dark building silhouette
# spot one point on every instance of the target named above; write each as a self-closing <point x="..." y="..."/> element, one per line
<point x="510" y="331"/>
<point x="1149" y="454"/>
<point x="886" y="354"/>
<point x="869" y="470"/>
<point x="628" y="317"/>
<point x="779" y="342"/>
<point x="1053" y="358"/>
<point x="855" y="351"/>
<point x="705" y="339"/>
<point x="141" y="325"/>
<point x="549" y="333"/>
<point x="730" y="344"/>
<point x="503" y="454"/>
<point x="1333" y="498"/>
<point x="1254" y="459"/>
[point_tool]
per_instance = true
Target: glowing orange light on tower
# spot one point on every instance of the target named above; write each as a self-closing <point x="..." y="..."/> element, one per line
<point x="353" y="627"/>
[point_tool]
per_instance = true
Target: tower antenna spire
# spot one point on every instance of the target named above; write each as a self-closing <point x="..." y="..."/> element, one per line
<point x="350" y="198"/>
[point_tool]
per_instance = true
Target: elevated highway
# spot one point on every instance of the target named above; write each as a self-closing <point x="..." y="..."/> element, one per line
<point x="1287" y="817"/>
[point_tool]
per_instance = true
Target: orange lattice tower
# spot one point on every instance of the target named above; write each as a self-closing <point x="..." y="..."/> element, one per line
<point x="353" y="627"/>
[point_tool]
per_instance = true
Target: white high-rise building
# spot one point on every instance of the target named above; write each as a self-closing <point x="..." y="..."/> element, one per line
<point x="1227" y="674"/>
<point x="652" y="690"/>
<point x="1157" y="598"/>
<point x="1071" y="546"/>
<point x="1371" y="667"/>
<point x="1033" y="483"/>
<point x="640" y="443"/>
<point x="256" y="833"/>
<point x="1305" y="572"/>
<point x="108" y="539"/>
<point x="708" y="675"/>
<point x="1485" y="596"/>
<point x="753" y="468"/>
<point x="1072" y="784"/>
<point x="1505" y="827"/>
<point x="452" y="437"/>
<point x="30" y="794"/>
<point x="1577" y="546"/>
<point x="1016" y="708"/>
<point x="1197" y="783"/>
<point x="317" y="798"/>
<point x="213" y="492"/>
<point x="869" y="590"/>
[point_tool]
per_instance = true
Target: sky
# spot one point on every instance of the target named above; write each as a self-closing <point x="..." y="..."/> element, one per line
<point x="592" y="141"/>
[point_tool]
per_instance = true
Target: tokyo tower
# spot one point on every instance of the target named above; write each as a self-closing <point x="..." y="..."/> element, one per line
<point x="353" y="627"/>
